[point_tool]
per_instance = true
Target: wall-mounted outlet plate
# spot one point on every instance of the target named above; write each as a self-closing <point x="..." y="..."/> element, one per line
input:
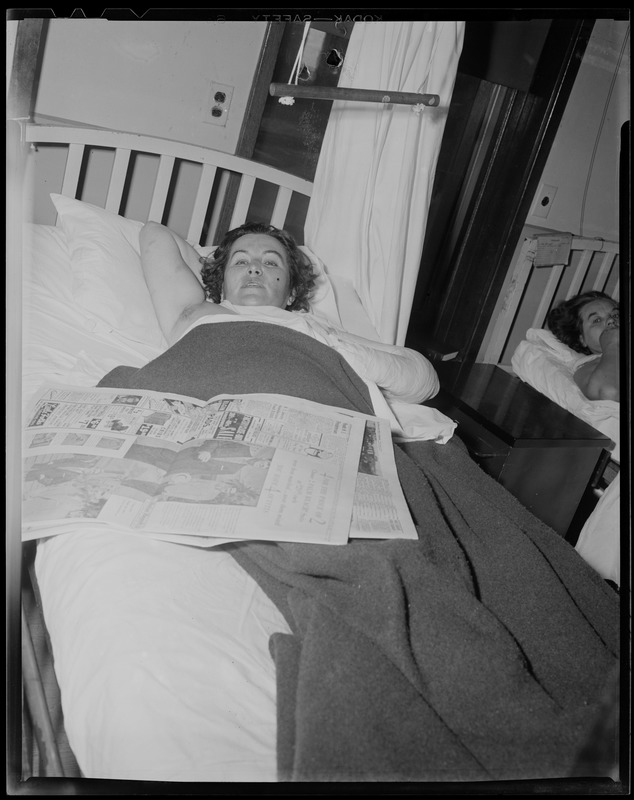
<point x="216" y="110"/>
<point x="543" y="201"/>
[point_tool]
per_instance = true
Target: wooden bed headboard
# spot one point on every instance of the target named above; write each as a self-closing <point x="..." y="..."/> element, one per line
<point x="265" y="193"/>
<point x="530" y="292"/>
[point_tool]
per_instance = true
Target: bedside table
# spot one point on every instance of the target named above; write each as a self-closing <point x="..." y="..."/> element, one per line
<point x="544" y="455"/>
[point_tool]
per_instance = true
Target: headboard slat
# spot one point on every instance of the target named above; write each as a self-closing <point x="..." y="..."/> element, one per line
<point x="205" y="187"/>
<point x="72" y="171"/>
<point x="547" y="297"/>
<point x="243" y="200"/>
<point x="117" y="180"/>
<point x="161" y="188"/>
<point x="604" y="272"/>
<point x="280" y="210"/>
<point x="579" y="274"/>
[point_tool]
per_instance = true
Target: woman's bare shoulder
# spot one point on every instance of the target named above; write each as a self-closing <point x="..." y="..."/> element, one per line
<point x="594" y="382"/>
<point x="194" y="313"/>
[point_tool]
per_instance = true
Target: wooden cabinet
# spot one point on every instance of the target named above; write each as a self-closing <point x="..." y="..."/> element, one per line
<point x="545" y="456"/>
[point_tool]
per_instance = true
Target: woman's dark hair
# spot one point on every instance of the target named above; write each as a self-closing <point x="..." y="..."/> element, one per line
<point x="564" y="319"/>
<point x="302" y="278"/>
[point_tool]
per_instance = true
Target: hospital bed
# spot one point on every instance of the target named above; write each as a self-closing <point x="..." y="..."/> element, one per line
<point x="519" y="335"/>
<point x="152" y="661"/>
<point x="86" y="309"/>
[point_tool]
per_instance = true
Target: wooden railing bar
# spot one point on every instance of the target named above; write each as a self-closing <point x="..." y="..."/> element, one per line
<point x="243" y="200"/>
<point x="280" y="209"/>
<point x="117" y="180"/>
<point x="161" y="188"/>
<point x="547" y="298"/>
<point x="201" y="203"/>
<point x="580" y="273"/>
<point x="72" y="170"/>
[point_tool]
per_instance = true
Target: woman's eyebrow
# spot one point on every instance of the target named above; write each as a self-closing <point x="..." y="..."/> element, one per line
<point x="244" y="252"/>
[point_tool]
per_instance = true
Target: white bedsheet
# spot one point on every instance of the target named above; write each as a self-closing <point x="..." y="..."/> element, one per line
<point x="161" y="653"/>
<point x="161" y="650"/>
<point x="599" y="542"/>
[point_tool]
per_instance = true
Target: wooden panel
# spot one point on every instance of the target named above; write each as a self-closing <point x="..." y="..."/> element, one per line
<point x="290" y="137"/>
<point x="38" y="708"/>
<point x="545" y="456"/>
<point x="460" y="286"/>
<point x="22" y="81"/>
<point x="515" y="412"/>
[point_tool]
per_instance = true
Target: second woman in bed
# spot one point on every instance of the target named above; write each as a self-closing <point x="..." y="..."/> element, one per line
<point x="589" y="323"/>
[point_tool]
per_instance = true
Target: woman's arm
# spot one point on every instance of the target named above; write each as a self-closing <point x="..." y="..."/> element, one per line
<point x="169" y="265"/>
<point x="401" y="373"/>
<point x="599" y="379"/>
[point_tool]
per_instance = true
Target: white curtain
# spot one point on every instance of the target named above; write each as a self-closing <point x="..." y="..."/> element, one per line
<point x="367" y="216"/>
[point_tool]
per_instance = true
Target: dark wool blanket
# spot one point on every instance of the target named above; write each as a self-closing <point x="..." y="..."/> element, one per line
<point x="480" y="652"/>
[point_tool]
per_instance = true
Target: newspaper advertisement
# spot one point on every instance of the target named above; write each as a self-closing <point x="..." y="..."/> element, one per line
<point x="265" y="467"/>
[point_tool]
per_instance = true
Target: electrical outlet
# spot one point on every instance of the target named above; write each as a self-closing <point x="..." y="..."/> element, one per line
<point x="543" y="201"/>
<point x="216" y="110"/>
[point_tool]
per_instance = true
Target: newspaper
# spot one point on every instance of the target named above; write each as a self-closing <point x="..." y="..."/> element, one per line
<point x="255" y="466"/>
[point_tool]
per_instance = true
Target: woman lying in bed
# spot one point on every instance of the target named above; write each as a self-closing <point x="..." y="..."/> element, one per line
<point x="478" y="651"/>
<point x="589" y="323"/>
<point x="258" y="269"/>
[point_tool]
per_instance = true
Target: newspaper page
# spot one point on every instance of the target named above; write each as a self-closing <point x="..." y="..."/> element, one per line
<point x="380" y="510"/>
<point x="250" y="467"/>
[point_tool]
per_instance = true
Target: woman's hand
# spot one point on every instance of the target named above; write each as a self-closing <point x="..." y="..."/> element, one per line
<point x="600" y="379"/>
<point x="609" y="340"/>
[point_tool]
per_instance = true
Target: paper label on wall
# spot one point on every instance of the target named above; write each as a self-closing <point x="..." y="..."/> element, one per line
<point x="553" y="250"/>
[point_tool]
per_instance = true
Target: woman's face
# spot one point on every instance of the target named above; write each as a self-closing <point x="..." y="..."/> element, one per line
<point x="257" y="272"/>
<point x="596" y="316"/>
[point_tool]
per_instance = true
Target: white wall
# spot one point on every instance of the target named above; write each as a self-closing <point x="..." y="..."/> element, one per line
<point x="584" y="161"/>
<point x="149" y="77"/>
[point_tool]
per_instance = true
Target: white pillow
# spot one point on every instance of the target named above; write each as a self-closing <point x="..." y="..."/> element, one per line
<point x="108" y="281"/>
<point x="551" y="346"/>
